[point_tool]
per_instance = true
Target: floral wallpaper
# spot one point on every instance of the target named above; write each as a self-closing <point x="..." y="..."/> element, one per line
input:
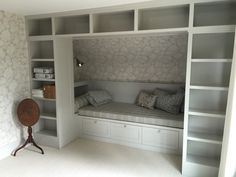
<point x="14" y="75"/>
<point x="155" y="58"/>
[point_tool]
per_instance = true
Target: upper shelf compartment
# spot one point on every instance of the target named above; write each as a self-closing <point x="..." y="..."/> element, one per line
<point x="164" y="17"/>
<point x="39" y="27"/>
<point x="72" y="24"/>
<point x="113" y="22"/>
<point x="215" y="13"/>
<point x="213" y="46"/>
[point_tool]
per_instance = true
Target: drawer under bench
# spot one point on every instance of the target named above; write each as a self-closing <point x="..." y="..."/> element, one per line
<point x="143" y="136"/>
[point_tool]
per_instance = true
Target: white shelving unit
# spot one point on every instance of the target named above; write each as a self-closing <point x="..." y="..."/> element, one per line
<point x="45" y="51"/>
<point x="210" y="54"/>
<point x="211" y="28"/>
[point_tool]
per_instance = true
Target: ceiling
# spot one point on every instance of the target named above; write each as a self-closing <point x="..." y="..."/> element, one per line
<point x="32" y="7"/>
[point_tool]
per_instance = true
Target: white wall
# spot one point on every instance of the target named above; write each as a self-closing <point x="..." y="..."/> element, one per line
<point x="14" y="78"/>
<point x="228" y="161"/>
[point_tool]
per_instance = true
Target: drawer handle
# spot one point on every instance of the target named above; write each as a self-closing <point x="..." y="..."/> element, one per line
<point x="125" y="126"/>
<point x="95" y="121"/>
<point x="158" y="131"/>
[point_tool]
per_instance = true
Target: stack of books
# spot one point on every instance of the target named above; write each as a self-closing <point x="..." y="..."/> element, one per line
<point x="43" y="73"/>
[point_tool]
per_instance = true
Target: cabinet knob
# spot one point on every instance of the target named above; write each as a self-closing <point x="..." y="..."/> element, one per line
<point x="125" y="126"/>
<point x="158" y="131"/>
<point x="95" y="121"/>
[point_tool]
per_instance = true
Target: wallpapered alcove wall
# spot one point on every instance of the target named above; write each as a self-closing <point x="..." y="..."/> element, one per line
<point x="152" y="58"/>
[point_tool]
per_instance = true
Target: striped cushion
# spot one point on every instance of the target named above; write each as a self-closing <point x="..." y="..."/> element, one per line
<point x="80" y="102"/>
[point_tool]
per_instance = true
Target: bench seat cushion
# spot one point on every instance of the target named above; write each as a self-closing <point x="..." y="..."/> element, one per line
<point x="133" y="113"/>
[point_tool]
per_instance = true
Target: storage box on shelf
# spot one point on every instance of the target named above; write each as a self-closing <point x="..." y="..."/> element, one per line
<point x="72" y="24"/>
<point x="113" y="22"/>
<point x="164" y="17"/>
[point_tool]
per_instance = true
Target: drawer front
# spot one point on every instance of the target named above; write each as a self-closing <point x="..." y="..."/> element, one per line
<point x="95" y="127"/>
<point x="125" y="132"/>
<point x="160" y="138"/>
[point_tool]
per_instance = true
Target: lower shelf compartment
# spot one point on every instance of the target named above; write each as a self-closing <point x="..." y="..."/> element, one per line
<point x="193" y="169"/>
<point x="214" y="162"/>
<point x="44" y="138"/>
<point x="48" y="132"/>
<point x="205" y="137"/>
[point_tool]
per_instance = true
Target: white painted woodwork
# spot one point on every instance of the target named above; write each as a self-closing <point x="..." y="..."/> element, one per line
<point x="228" y="162"/>
<point x="142" y="136"/>
<point x="160" y="138"/>
<point x="95" y="127"/>
<point x="211" y="28"/>
<point x="63" y="50"/>
<point x="125" y="132"/>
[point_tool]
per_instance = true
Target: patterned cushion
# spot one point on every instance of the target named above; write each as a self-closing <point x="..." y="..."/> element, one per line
<point x="98" y="97"/>
<point x="170" y="102"/>
<point x="81" y="101"/>
<point x="146" y="100"/>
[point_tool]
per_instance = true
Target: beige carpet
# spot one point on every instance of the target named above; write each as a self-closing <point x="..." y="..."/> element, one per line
<point x="85" y="158"/>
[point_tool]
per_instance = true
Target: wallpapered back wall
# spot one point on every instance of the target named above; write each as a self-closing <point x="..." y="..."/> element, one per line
<point x="14" y="75"/>
<point x="133" y="58"/>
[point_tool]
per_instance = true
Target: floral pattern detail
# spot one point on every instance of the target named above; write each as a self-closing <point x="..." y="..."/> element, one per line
<point x="14" y="75"/>
<point x="155" y="58"/>
<point x="146" y="100"/>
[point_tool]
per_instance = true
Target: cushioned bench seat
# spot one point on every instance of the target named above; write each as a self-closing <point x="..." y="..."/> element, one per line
<point x="133" y="113"/>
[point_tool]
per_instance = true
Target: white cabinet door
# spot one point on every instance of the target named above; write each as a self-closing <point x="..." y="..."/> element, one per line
<point x="160" y="138"/>
<point x="95" y="127"/>
<point x="125" y="132"/>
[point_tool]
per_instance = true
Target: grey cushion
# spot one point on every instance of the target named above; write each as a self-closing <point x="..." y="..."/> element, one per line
<point x="169" y="102"/>
<point x="81" y="101"/>
<point x="98" y="97"/>
<point x="146" y="100"/>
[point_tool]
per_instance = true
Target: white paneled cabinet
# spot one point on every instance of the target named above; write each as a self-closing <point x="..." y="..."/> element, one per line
<point x="160" y="138"/>
<point x="155" y="138"/>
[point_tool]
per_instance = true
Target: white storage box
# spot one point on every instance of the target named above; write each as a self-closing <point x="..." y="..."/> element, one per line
<point x="44" y="76"/>
<point x="44" y="70"/>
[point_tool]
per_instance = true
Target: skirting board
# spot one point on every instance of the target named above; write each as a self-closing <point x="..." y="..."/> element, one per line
<point x="7" y="150"/>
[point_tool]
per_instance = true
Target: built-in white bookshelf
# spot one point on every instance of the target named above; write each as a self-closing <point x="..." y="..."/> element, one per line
<point x="211" y="29"/>
<point x="210" y="54"/>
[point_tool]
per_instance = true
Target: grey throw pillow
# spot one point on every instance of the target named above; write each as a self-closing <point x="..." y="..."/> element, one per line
<point x="81" y="101"/>
<point x="98" y="97"/>
<point x="146" y="100"/>
<point x="169" y="102"/>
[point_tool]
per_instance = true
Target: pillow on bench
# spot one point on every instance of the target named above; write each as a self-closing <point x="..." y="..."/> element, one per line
<point x="81" y="101"/>
<point x="169" y="102"/>
<point x="98" y="97"/>
<point x="146" y="100"/>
